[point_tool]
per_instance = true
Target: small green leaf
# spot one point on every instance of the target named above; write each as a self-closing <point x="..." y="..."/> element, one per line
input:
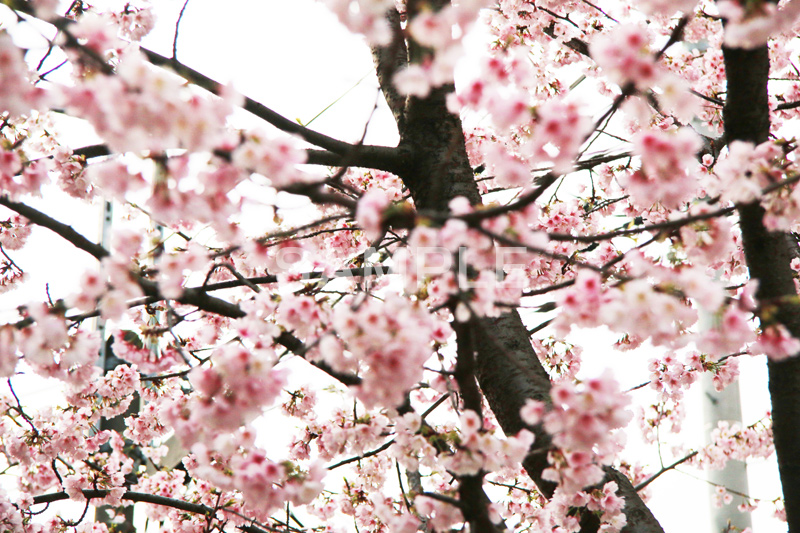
<point x="132" y="338"/>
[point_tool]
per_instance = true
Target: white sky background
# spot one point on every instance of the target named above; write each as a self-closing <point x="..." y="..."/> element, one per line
<point x="295" y="58"/>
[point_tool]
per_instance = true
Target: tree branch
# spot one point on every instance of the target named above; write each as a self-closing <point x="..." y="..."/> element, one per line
<point x="670" y="224"/>
<point x="388" y="61"/>
<point x="382" y="157"/>
<point x="59" y="228"/>
<point x="508" y="370"/>
<point x="474" y="501"/>
<point x="365" y="157"/>
<point x="143" y="497"/>
<point x="768" y="255"/>
<point x="296" y="346"/>
<point x="664" y="470"/>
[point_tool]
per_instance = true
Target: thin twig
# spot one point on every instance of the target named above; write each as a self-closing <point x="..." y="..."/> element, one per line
<point x="370" y="453"/>
<point x="663" y="470"/>
<point x="177" y="30"/>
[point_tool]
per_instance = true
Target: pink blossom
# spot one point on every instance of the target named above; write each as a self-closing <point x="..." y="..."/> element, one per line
<point x="508" y="109"/>
<point x="726" y="374"/>
<point x="668" y="167"/>
<point x="8" y="351"/>
<point x="667" y="7"/>
<point x="624" y="55"/>
<point x="733" y="333"/>
<point x="144" y="108"/>
<point x="38" y="344"/>
<point x="777" y="343"/>
<point x="114" y="179"/>
<point x="276" y="159"/>
<point x="301" y="314"/>
<point x="17" y="94"/>
<point x="431" y="29"/>
<point x="442" y="516"/>
<point x="508" y="170"/>
<point x="532" y="412"/>
<point x="365" y="17"/>
<point x="135" y="23"/>
<point x="392" y="339"/>
<point x="173" y="268"/>
<point x="752" y="27"/>
<point x="582" y="421"/>
<point x="221" y="351"/>
<point x="97" y="33"/>
<point x="369" y="213"/>
<point x="739" y="173"/>
<point x="413" y="80"/>
<point x="559" y="131"/>
<point x="14" y="233"/>
<point x="737" y="442"/>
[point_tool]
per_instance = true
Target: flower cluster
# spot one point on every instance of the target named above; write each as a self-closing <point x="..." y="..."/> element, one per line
<point x="111" y="394"/>
<point x="147" y="356"/>
<point x="49" y="347"/>
<point x="733" y="332"/>
<point x="10" y="515"/>
<point x="745" y="170"/>
<point x="441" y="32"/>
<point x="643" y="238"/>
<point x="625" y="55"/>
<point x="341" y="435"/>
<point x="752" y="24"/>
<point x="668" y="167"/>
<point x="143" y="108"/>
<point x="748" y="171"/>
<point x="18" y="177"/>
<point x="558" y="131"/>
<point x="776" y="342"/>
<point x="168" y="484"/>
<point x="370" y="212"/>
<point x="110" y="288"/>
<point x="583" y="421"/>
<point x="234" y="462"/>
<point x="367" y="17"/>
<point x="391" y="339"/>
<point x="559" y="513"/>
<point x="17" y="94"/>
<point x="135" y="22"/>
<point x="274" y="158"/>
<point x="228" y="394"/>
<point x="737" y="442"/>
<point x="635" y="307"/>
<point x="667" y="7"/>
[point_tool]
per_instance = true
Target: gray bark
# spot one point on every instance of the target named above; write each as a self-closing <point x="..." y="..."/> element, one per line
<point x="507" y="368"/>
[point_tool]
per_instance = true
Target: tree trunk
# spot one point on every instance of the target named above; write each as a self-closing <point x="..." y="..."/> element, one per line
<point x="508" y="370"/>
<point x="768" y="255"/>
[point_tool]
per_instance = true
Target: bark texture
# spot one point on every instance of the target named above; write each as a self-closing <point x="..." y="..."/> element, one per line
<point x="507" y="368"/>
<point x="768" y="255"/>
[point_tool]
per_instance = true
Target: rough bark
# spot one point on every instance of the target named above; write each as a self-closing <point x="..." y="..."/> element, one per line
<point x="768" y="254"/>
<point x="388" y="60"/>
<point x="507" y="368"/>
<point x="510" y="373"/>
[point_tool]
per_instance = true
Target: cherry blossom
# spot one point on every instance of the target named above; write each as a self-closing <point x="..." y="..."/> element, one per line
<point x="667" y="8"/>
<point x="667" y="174"/>
<point x="751" y="26"/>
<point x="313" y="331"/>
<point x="19" y="95"/>
<point x="625" y="55"/>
